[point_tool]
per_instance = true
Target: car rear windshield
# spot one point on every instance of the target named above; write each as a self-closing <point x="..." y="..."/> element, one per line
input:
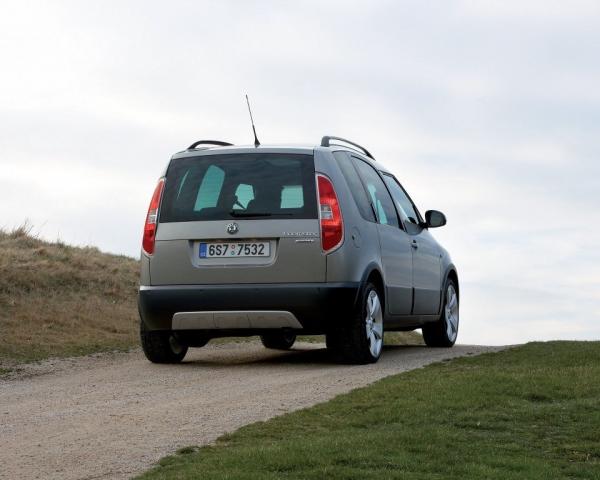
<point x="234" y="186"/>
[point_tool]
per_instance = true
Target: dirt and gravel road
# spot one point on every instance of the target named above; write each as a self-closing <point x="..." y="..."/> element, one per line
<point x="114" y="415"/>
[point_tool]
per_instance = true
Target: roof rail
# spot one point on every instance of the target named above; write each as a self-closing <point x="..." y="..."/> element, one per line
<point x="209" y="142"/>
<point x="326" y="142"/>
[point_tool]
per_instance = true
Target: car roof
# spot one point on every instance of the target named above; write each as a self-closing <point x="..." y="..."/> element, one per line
<point x="306" y="149"/>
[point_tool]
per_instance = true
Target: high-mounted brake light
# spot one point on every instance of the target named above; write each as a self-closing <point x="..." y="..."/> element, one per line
<point x="152" y="218"/>
<point x="332" y="225"/>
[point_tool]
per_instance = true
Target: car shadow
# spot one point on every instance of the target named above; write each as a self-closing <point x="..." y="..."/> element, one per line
<point x="299" y="355"/>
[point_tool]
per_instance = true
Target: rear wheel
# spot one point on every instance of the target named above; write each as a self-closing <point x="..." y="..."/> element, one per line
<point x="278" y="340"/>
<point x="161" y="346"/>
<point x="443" y="332"/>
<point x="361" y="341"/>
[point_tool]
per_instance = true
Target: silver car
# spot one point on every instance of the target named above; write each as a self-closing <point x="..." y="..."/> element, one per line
<point x="280" y="241"/>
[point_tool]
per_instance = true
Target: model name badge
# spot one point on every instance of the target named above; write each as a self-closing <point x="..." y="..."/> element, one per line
<point x="300" y="234"/>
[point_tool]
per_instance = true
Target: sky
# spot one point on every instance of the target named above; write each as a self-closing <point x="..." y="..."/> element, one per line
<point x="486" y="110"/>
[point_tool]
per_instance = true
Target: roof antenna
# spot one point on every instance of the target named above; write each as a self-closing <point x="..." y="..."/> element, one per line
<point x="256" y="142"/>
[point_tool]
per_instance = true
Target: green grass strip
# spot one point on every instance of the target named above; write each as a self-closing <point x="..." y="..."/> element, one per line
<point x="530" y="412"/>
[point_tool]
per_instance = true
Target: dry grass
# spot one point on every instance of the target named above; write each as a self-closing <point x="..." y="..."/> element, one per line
<point x="404" y="338"/>
<point x="58" y="300"/>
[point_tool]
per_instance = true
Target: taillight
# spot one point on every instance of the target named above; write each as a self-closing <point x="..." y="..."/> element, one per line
<point x="332" y="226"/>
<point x="152" y="219"/>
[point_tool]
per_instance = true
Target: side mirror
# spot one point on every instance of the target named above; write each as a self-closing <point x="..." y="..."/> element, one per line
<point x="434" y="219"/>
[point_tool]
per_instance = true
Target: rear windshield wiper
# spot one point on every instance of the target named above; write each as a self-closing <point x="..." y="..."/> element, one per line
<point x="238" y="213"/>
<point x="243" y="213"/>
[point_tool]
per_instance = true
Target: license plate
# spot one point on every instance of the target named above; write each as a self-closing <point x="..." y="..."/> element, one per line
<point x="234" y="250"/>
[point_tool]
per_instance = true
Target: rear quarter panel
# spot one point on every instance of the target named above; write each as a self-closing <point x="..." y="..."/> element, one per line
<point x="360" y="249"/>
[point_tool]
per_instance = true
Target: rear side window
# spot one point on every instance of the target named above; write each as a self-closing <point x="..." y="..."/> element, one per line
<point x="224" y="187"/>
<point x="380" y="197"/>
<point x="356" y="186"/>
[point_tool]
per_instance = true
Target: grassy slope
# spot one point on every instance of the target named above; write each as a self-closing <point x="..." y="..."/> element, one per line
<point x="58" y="300"/>
<point x="530" y="412"/>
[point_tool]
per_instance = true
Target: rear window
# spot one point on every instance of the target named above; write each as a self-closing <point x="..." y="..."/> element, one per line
<point x="249" y="185"/>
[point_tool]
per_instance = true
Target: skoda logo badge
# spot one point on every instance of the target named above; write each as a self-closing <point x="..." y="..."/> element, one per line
<point x="232" y="228"/>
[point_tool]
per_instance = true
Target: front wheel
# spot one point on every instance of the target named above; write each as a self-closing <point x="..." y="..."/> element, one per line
<point x="444" y="331"/>
<point x="361" y="341"/>
<point x="161" y="346"/>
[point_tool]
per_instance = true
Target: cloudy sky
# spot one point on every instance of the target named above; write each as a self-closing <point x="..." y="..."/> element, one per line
<point x="488" y="111"/>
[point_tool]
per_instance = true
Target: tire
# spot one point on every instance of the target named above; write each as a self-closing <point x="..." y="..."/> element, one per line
<point x="278" y="340"/>
<point x="443" y="332"/>
<point x="161" y="346"/>
<point x="361" y="341"/>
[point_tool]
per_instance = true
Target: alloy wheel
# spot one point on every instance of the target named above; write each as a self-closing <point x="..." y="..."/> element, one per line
<point x="374" y="324"/>
<point x="451" y="313"/>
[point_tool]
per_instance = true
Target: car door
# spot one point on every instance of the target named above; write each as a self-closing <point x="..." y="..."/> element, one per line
<point x="426" y="256"/>
<point x="396" y="255"/>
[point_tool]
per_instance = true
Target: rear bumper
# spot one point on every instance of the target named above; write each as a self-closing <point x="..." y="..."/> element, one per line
<point x="317" y="306"/>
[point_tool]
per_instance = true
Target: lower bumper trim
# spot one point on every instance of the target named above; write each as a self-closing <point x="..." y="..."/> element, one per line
<point x="314" y="307"/>
<point x="234" y="319"/>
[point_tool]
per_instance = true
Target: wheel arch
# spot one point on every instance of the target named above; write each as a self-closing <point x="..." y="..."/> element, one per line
<point x="451" y="273"/>
<point x="372" y="274"/>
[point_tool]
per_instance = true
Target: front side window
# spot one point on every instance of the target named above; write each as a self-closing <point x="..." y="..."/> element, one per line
<point x="244" y="194"/>
<point x="407" y="210"/>
<point x="380" y="197"/>
<point x="228" y="186"/>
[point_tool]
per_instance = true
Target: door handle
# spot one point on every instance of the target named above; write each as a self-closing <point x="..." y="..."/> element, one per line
<point x="414" y="244"/>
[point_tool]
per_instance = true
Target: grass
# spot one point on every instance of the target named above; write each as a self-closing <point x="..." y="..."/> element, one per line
<point x="59" y="300"/>
<point x="529" y="412"/>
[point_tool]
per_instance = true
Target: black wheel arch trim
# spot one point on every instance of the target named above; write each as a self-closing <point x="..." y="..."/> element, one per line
<point x="371" y="267"/>
<point x="449" y="269"/>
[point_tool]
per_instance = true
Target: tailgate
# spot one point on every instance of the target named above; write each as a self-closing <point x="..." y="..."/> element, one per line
<point x="239" y="218"/>
<point x="294" y="253"/>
